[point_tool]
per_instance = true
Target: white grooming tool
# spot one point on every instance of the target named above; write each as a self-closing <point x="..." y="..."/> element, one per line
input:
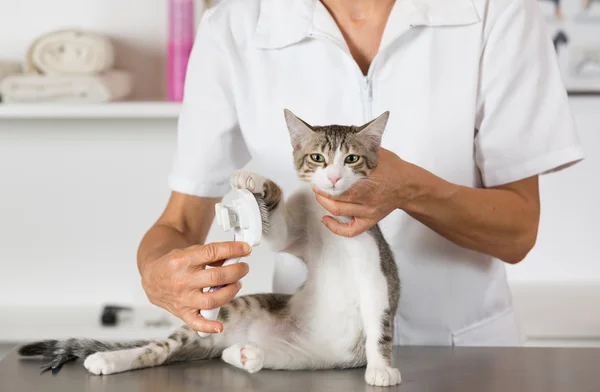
<point x="243" y="216"/>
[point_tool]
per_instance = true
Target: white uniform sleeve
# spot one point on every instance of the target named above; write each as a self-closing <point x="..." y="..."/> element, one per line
<point x="210" y="146"/>
<point x="524" y="122"/>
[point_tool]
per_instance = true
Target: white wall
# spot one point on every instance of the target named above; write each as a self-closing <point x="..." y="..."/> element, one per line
<point x="76" y="197"/>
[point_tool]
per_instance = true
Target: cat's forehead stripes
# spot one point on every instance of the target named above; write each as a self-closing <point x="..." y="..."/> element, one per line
<point x="335" y="136"/>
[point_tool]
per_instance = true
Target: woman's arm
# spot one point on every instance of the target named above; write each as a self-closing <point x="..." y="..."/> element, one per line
<point x="501" y="222"/>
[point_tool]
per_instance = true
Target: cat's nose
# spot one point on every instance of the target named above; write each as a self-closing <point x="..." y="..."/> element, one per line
<point x="334" y="179"/>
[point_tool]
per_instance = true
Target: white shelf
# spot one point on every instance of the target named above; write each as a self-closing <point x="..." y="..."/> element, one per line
<point x="113" y="110"/>
<point x="20" y="325"/>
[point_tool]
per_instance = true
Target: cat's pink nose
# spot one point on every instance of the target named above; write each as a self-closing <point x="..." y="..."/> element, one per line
<point x="334" y="179"/>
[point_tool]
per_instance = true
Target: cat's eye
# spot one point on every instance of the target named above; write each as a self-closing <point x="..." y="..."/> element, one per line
<point x="317" y="158"/>
<point x="352" y="158"/>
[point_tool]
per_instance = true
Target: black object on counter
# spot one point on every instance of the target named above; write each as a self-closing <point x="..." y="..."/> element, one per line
<point x="109" y="316"/>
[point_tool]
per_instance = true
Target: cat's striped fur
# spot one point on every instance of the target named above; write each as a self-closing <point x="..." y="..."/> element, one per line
<point x="341" y="317"/>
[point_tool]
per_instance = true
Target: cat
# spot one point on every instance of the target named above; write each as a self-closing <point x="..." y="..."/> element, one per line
<point x="343" y="314"/>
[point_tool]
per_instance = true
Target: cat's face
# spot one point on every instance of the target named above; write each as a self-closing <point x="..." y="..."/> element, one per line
<point x="335" y="157"/>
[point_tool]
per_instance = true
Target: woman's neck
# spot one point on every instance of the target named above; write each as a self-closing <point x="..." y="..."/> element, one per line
<point x="362" y="23"/>
<point x="358" y="11"/>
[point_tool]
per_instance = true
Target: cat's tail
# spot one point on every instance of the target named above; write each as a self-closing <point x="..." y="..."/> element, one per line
<point x="59" y="352"/>
<point x="80" y="348"/>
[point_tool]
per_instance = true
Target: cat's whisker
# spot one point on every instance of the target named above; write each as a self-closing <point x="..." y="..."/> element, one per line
<point x="380" y="181"/>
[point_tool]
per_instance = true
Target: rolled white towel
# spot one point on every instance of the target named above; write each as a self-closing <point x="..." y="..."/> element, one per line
<point x="8" y="68"/>
<point x="111" y="86"/>
<point x="70" y="52"/>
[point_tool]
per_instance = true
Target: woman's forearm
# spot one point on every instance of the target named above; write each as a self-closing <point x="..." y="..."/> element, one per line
<point x="158" y="241"/>
<point x="186" y="221"/>
<point x="501" y="222"/>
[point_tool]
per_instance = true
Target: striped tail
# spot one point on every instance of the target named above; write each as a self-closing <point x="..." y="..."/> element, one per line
<point x="59" y="352"/>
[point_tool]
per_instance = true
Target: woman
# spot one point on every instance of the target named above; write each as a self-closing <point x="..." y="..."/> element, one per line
<point x="478" y="112"/>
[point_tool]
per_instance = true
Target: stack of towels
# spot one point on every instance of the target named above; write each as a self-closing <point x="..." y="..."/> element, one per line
<point x="68" y="66"/>
<point x="8" y="68"/>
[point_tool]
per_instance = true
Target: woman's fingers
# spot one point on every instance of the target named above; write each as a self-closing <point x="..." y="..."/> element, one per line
<point x="340" y="208"/>
<point x="202" y="255"/>
<point x="200" y="300"/>
<point x="347" y="196"/>
<point x="198" y="323"/>
<point x="215" y="299"/>
<point x="359" y="224"/>
<point x="218" y="276"/>
<point x="351" y="229"/>
<point x="352" y="195"/>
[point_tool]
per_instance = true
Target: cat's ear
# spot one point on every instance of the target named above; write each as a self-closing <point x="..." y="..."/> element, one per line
<point x="372" y="131"/>
<point x="300" y="131"/>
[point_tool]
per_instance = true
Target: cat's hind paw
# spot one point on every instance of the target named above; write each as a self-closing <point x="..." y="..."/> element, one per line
<point x="242" y="179"/>
<point x="100" y="363"/>
<point x="247" y="357"/>
<point x="252" y="358"/>
<point x="382" y="376"/>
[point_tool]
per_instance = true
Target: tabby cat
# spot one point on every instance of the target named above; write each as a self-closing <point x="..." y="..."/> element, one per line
<point x="341" y="317"/>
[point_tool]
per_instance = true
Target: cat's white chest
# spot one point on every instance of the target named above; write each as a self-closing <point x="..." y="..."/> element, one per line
<point x="335" y="248"/>
<point x="339" y="267"/>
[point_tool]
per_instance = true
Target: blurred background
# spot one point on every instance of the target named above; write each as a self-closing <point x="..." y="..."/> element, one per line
<point x="86" y="147"/>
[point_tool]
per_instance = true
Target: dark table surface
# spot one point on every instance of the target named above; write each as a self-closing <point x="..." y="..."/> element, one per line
<point x="424" y="369"/>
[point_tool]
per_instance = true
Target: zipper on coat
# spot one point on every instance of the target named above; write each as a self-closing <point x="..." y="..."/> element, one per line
<point x="368" y="85"/>
<point x="368" y="99"/>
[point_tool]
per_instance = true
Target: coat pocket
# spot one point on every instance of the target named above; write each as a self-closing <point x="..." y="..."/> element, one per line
<point x="498" y="330"/>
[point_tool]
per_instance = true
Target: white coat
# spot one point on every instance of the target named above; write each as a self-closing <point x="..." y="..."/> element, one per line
<point x="474" y="95"/>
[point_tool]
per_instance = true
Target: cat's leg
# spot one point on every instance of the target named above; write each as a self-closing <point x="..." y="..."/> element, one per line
<point x="254" y="356"/>
<point x="379" y="288"/>
<point x="274" y="339"/>
<point x="183" y="344"/>
<point x="110" y="362"/>
<point x="281" y="226"/>
<point x="378" y="347"/>
<point x="378" y="324"/>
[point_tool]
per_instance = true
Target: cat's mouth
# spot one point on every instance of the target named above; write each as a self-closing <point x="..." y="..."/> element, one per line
<point x="333" y="190"/>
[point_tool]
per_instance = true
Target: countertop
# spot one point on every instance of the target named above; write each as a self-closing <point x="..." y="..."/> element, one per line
<point x="424" y="369"/>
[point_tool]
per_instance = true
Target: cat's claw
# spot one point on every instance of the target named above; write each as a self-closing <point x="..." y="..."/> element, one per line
<point x="242" y="179"/>
<point x="382" y="376"/>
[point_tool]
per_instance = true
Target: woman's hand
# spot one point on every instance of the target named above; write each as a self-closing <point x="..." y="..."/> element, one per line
<point x="389" y="187"/>
<point x="175" y="281"/>
<point x="500" y="221"/>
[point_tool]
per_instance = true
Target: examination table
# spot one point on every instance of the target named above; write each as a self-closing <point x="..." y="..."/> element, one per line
<point x="424" y="369"/>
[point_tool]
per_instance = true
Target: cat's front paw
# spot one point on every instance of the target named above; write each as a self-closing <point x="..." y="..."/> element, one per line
<point x="382" y="376"/>
<point x="242" y="179"/>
